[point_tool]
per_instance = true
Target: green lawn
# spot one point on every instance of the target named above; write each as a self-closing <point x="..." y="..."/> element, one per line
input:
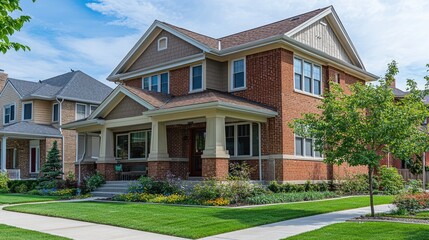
<point x="13" y="233"/>
<point x="424" y="215"/>
<point x="22" y="198"/>
<point x="190" y="222"/>
<point x="367" y="230"/>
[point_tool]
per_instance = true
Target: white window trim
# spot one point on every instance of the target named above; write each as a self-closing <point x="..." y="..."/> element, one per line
<point x="53" y="112"/>
<point x="191" y="76"/>
<point x="90" y="111"/>
<point x="159" y="81"/>
<point x="4" y="113"/>
<point x="166" y="43"/>
<point x="23" y="108"/>
<point x="129" y="144"/>
<point x="231" y="84"/>
<point x="236" y="138"/>
<point x="305" y="156"/>
<point x="37" y="156"/>
<point x="86" y="111"/>
<point x="303" y="60"/>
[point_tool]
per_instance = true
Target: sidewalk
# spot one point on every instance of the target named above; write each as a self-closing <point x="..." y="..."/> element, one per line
<point x="75" y="229"/>
<point x="297" y="226"/>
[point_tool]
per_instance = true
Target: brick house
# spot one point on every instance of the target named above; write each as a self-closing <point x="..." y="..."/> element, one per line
<point x="32" y="113"/>
<point x="190" y="104"/>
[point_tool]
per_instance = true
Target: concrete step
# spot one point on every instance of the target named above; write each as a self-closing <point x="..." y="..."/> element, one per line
<point x="112" y="189"/>
<point x="103" y="194"/>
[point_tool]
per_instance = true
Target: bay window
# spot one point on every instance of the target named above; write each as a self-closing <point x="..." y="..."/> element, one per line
<point x="242" y="139"/>
<point x="27" y="111"/>
<point x="307" y="77"/>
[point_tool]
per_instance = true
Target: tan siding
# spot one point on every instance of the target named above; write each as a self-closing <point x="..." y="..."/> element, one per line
<point x="126" y="108"/>
<point x="177" y="48"/>
<point x="217" y="75"/>
<point x="324" y="39"/>
<point x="9" y="95"/>
<point x="42" y="111"/>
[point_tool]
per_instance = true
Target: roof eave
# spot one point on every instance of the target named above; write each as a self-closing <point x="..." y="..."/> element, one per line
<point x="86" y="123"/>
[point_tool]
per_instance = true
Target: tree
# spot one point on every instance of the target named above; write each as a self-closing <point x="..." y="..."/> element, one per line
<point x="361" y="127"/>
<point x="9" y="24"/>
<point x="52" y="169"/>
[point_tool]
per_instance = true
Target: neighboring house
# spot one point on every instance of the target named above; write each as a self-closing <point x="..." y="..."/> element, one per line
<point x="190" y="104"/>
<point x="31" y="115"/>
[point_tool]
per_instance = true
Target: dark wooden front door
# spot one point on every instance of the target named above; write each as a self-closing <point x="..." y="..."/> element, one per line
<point x="198" y="142"/>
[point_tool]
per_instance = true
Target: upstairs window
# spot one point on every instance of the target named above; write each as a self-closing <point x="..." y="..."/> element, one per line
<point x="80" y="111"/>
<point x="162" y="43"/>
<point x="157" y="83"/>
<point x="92" y="108"/>
<point x="238" y="78"/>
<point x="55" y="112"/>
<point x="196" y="78"/>
<point x="27" y="111"/>
<point x="9" y="113"/>
<point x="307" y="77"/>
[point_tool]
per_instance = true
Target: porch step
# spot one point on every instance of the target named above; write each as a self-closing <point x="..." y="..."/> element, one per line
<point x="111" y="188"/>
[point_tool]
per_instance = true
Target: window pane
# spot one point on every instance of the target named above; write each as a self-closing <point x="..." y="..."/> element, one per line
<point x="138" y="145"/>
<point x="6" y="114"/>
<point x="197" y="77"/>
<point x="309" y="147"/>
<point x="122" y="147"/>
<point x="297" y="65"/>
<point x="317" y="74"/>
<point x="55" y="113"/>
<point x="243" y="139"/>
<point x="307" y="77"/>
<point x="154" y="83"/>
<point x="299" y="146"/>
<point x="255" y="139"/>
<point x="95" y="144"/>
<point x="146" y="83"/>
<point x="12" y="113"/>
<point x="298" y="81"/>
<point x="92" y="108"/>
<point x="81" y="111"/>
<point x="317" y="154"/>
<point x="238" y="73"/>
<point x="229" y="133"/>
<point x="317" y="87"/>
<point x="164" y="82"/>
<point x="27" y="111"/>
<point x="148" y="135"/>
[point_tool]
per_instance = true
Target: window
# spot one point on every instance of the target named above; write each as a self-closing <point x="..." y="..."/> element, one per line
<point x="95" y="147"/>
<point x="133" y="145"/>
<point x="242" y="139"/>
<point x="27" y="111"/>
<point x="9" y="113"/>
<point x="157" y="83"/>
<point x="305" y="147"/>
<point x="34" y="156"/>
<point x="196" y="78"/>
<point x="162" y="43"/>
<point x="92" y="108"/>
<point x="238" y="79"/>
<point x="55" y="112"/>
<point x="337" y="78"/>
<point x="80" y="111"/>
<point x="307" y="77"/>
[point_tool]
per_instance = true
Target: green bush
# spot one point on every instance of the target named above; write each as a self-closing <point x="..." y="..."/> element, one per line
<point x="21" y="188"/>
<point x="415" y="186"/>
<point x="239" y="171"/>
<point x="289" y="197"/>
<point x="411" y="203"/>
<point x="275" y="187"/>
<point x="356" y="184"/>
<point x="391" y="182"/>
<point x="94" y="181"/>
<point x="3" y="182"/>
<point x="30" y="184"/>
<point x="151" y="186"/>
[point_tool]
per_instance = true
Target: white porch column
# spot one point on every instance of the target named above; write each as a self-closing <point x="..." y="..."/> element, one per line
<point x="215" y="138"/>
<point x="3" y="153"/>
<point x="158" y="145"/>
<point x="106" y="147"/>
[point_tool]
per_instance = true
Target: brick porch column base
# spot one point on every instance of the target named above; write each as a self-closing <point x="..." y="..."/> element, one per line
<point x="158" y="169"/>
<point x="108" y="171"/>
<point x="215" y="168"/>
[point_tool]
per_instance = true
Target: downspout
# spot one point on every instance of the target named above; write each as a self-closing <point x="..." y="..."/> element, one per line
<point x="60" y="103"/>
<point x="260" y="152"/>
<point x="79" y="161"/>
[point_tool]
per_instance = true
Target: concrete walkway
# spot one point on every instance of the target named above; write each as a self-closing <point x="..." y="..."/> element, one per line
<point x="74" y="229"/>
<point x="296" y="226"/>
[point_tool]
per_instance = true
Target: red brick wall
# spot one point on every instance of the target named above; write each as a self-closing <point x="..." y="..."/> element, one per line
<point x="179" y="81"/>
<point x="137" y="83"/>
<point x="215" y="168"/>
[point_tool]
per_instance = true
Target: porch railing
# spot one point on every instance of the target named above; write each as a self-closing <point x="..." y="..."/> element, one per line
<point x="14" y="174"/>
<point x="407" y="175"/>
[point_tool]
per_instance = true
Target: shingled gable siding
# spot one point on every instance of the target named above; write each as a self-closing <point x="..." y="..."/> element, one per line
<point x="126" y="108"/>
<point x="8" y="96"/>
<point x="176" y="49"/>
<point x="217" y="75"/>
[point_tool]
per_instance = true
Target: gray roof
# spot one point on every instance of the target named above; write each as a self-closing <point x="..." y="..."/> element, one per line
<point x="30" y="129"/>
<point x="75" y="85"/>
<point x="398" y="92"/>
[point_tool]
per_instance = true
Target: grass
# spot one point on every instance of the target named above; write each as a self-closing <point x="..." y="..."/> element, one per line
<point x="13" y="233"/>
<point x="22" y="198"/>
<point x="423" y="215"/>
<point x="190" y="222"/>
<point x="367" y="230"/>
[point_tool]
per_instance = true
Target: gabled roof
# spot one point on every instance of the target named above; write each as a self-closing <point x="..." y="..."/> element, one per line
<point x="75" y="86"/>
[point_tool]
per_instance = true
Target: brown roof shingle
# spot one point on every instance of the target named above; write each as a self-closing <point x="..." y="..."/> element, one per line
<point x="153" y="98"/>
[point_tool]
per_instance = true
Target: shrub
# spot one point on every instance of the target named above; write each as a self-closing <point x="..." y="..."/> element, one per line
<point x="3" y="182"/>
<point x="275" y="187"/>
<point x="217" y="202"/>
<point x="70" y="180"/>
<point x="415" y="186"/>
<point x="239" y="171"/>
<point x="30" y="184"/>
<point x="356" y="184"/>
<point x="289" y="197"/>
<point x="208" y="190"/>
<point x="21" y="188"/>
<point x="151" y="186"/>
<point x="147" y="197"/>
<point x="391" y="182"/>
<point x="411" y="203"/>
<point x="52" y="169"/>
<point x="94" y="181"/>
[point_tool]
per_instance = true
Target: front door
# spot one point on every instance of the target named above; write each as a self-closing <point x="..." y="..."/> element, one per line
<point x="198" y="143"/>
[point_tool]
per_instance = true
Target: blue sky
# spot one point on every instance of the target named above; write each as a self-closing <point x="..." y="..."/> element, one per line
<point x="93" y="36"/>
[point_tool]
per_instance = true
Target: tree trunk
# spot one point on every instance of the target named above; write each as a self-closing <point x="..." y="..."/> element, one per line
<point x="371" y="192"/>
